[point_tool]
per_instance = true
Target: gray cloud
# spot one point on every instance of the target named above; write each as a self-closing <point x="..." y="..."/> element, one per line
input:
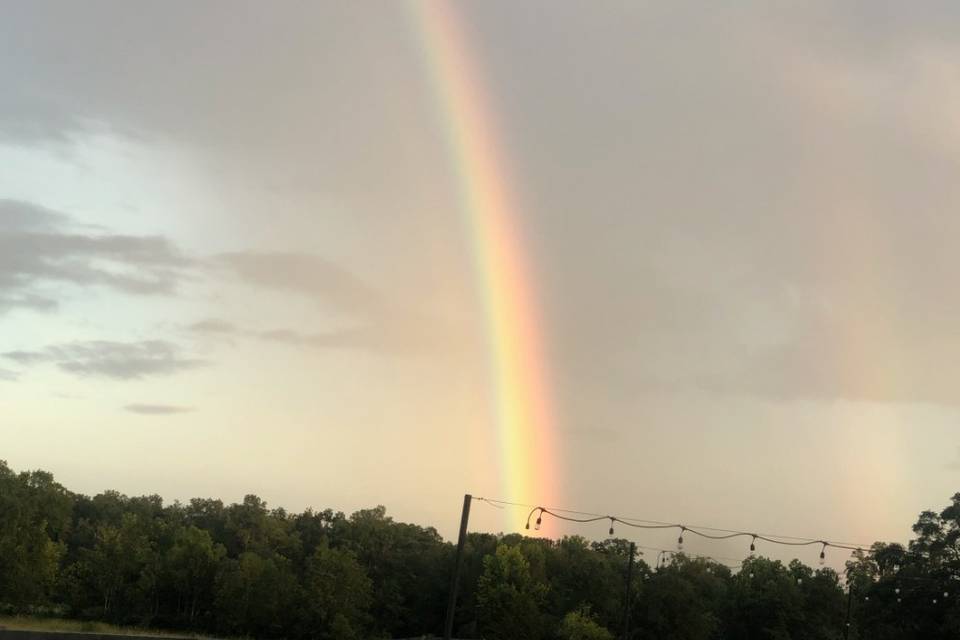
<point x="40" y="248"/>
<point x="386" y="339"/>
<point x="213" y="326"/>
<point x="156" y="409"/>
<point x="308" y="275"/>
<point x="107" y="359"/>
<point x="8" y="376"/>
<point x="718" y="183"/>
<point x="375" y="321"/>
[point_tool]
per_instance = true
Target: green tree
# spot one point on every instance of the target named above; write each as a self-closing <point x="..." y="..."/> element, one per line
<point x="190" y="566"/>
<point x="764" y="601"/>
<point x="337" y="595"/>
<point x="580" y="625"/>
<point x="508" y="598"/>
<point x="255" y="594"/>
<point x="682" y="600"/>
<point x="34" y="517"/>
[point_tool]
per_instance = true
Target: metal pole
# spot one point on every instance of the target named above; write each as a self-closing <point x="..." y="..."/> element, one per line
<point x="457" y="566"/>
<point x="629" y="597"/>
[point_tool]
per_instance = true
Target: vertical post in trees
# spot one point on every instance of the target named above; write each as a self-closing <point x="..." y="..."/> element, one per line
<point x="846" y="627"/>
<point x="628" y="599"/>
<point x="457" y="565"/>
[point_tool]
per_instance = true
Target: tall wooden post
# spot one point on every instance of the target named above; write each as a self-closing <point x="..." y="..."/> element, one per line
<point x="628" y="600"/>
<point x="457" y="566"/>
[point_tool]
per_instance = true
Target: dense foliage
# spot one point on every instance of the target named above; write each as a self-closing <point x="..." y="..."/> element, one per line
<point x="246" y="570"/>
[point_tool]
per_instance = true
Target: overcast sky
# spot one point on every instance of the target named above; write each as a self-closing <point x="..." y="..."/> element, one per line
<point x="233" y="259"/>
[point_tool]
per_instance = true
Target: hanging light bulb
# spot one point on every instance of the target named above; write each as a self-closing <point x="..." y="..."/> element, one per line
<point x="539" y="521"/>
<point x="866" y="598"/>
<point x="680" y="539"/>
<point x="823" y="554"/>
<point x="611" y="526"/>
<point x="897" y="591"/>
<point x="946" y="594"/>
<point x="753" y="546"/>
<point x="934" y="601"/>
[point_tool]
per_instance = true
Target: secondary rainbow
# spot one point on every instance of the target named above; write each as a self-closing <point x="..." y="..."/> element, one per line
<point x="524" y="420"/>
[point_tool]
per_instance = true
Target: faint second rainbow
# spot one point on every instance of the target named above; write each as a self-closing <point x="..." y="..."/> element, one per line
<point x="524" y="421"/>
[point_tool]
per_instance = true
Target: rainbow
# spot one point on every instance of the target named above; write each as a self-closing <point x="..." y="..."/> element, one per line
<point x="523" y="404"/>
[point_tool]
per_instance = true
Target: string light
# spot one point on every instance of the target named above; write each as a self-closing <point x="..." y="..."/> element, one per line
<point x="715" y="533"/>
<point x="701" y="531"/>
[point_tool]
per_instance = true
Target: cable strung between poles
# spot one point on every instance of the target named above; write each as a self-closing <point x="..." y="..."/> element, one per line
<point x="649" y="524"/>
<point x="697" y="529"/>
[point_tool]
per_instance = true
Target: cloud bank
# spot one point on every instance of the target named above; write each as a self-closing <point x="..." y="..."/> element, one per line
<point x="42" y="250"/>
<point x="109" y="359"/>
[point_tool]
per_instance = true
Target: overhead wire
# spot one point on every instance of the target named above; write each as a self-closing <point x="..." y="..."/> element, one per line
<point x="715" y="533"/>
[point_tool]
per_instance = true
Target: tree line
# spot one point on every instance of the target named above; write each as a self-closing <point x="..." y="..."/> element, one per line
<point x="244" y="570"/>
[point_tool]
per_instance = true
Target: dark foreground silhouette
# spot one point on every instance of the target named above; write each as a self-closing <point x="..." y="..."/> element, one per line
<point x="246" y="570"/>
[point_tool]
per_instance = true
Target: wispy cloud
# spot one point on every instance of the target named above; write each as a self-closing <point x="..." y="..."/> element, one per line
<point x="397" y="341"/>
<point x="309" y="275"/>
<point x="385" y="338"/>
<point x="40" y="247"/>
<point x="108" y="359"/>
<point x="374" y="320"/>
<point x="213" y="325"/>
<point x="156" y="409"/>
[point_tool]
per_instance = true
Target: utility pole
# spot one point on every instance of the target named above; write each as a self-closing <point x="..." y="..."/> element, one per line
<point x="629" y="593"/>
<point x="457" y="566"/>
<point x="846" y="627"/>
